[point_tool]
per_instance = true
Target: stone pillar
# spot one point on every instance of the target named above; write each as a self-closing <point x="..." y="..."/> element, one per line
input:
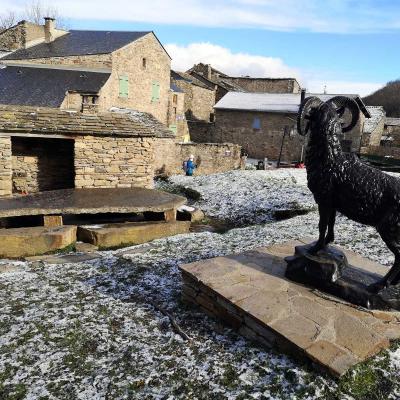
<point x="5" y="166"/>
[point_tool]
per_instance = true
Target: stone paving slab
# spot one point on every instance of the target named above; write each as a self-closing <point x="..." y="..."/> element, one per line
<point x="126" y="234"/>
<point x="249" y="292"/>
<point x="90" y="201"/>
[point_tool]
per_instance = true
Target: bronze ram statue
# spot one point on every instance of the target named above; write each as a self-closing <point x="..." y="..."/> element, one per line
<point x="340" y="182"/>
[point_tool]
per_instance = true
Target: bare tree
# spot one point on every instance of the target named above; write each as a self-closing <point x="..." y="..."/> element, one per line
<point x="7" y="20"/>
<point x="34" y="12"/>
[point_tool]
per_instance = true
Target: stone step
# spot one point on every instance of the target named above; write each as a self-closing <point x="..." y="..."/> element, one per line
<point x="24" y="242"/>
<point x="250" y="293"/>
<point x="125" y="234"/>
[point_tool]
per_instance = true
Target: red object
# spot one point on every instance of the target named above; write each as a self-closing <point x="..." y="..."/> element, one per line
<point x="299" y="165"/>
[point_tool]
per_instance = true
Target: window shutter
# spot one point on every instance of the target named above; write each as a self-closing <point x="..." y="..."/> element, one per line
<point x="155" y="91"/>
<point x="173" y="128"/>
<point x="123" y="86"/>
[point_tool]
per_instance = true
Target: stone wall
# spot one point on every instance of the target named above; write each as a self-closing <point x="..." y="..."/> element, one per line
<point x="5" y="166"/>
<point x="103" y="162"/>
<point x="201" y="131"/>
<point x="128" y="62"/>
<point x="237" y="127"/>
<point x="210" y="158"/>
<point x="42" y="164"/>
<point x="176" y="116"/>
<point x="199" y="102"/>
<point x="394" y="133"/>
<point x="13" y="38"/>
<point x="265" y="85"/>
<point x="382" y="151"/>
<point x="373" y="138"/>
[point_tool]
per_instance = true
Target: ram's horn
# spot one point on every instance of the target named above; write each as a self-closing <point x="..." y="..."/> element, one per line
<point x="303" y="116"/>
<point x="343" y="104"/>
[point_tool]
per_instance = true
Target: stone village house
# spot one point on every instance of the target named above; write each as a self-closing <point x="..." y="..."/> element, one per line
<point x="257" y="122"/>
<point x="131" y="69"/>
<point x="92" y="72"/>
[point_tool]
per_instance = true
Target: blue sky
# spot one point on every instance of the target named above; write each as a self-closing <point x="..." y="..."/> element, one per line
<point x="349" y="46"/>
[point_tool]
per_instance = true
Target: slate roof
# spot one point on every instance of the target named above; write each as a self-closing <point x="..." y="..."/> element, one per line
<point x="392" y="121"/>
<point x="184" y="76"/>
<point x="273" y="102"/>
<point x="52" y="121"/>
<point x="377" y="115"/>
<point x="44" y="87"/>
<point x="77" y="43"/>
<point x="175" y="88"/>
<point x="147" y="119"/>
<point x="229" y="86"/>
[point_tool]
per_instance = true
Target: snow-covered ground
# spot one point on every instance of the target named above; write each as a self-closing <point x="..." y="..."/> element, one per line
<point x="95" y="330"/>
<point x="247" y="197"/>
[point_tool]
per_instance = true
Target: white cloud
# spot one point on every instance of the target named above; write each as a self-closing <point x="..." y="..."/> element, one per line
<point x="221" y="58"/>
<point x="345" y="87"/>
<point x="239" y="64"/>
<point x="313" y="15"/>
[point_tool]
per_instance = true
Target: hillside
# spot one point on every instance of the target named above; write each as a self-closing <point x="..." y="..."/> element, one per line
<point x="388" y="97"/>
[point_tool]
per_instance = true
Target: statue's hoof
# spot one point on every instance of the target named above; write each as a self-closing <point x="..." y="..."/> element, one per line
<point x="377" y="286"/>
<point x="315" y="249"/>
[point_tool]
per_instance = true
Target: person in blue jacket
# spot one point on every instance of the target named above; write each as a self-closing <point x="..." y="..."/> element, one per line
<point x="189" y="166"/>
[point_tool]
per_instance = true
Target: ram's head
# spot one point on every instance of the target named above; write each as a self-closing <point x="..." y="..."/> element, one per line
<point x="341" y="110"/>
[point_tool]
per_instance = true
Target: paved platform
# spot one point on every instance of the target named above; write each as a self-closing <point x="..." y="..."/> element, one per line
<point x="24" y="242"/>
<point x="127" y="234"/>
<point x="249" y="292"/>
<point x="90" y="201"/>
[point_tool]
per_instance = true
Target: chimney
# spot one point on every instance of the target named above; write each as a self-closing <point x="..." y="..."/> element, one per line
<point x="303" y="95"/>
<point x="208" y="71"/>
<point x="49" y="29"/>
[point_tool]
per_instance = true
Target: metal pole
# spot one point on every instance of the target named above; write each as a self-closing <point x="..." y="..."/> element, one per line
<point x="283" y="140"/>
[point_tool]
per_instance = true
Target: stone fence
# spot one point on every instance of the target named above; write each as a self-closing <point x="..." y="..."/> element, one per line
<point x="210" y="158"/>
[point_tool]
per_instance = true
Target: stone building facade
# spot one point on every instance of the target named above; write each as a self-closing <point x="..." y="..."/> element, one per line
<point x="257" y="122"/>
<point x="391" y="132"/>
<point x="260" y="134"/>
<point x="138" y="65"/>
<point x="105" y="150"/>
<point x="373" y="127"/>
<point x="199" y="98"/>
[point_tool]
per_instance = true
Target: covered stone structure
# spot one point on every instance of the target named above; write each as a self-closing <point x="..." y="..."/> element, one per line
<point x="47" y="149"/>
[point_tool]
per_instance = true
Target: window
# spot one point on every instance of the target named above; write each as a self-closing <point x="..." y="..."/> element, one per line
<point x="144" y="63"/>
<point x="175" y="98"/>
<point x="173" y="128"/>
<point x="155" y="92"/>
<point x="256" y="124"/>
<point x="123" y="86"/>
<point x="90" y="99"/>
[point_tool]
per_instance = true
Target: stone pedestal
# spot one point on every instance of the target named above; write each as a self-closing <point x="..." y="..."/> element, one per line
<point x="250" y="293"/>
<point x="328" y="270"/>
